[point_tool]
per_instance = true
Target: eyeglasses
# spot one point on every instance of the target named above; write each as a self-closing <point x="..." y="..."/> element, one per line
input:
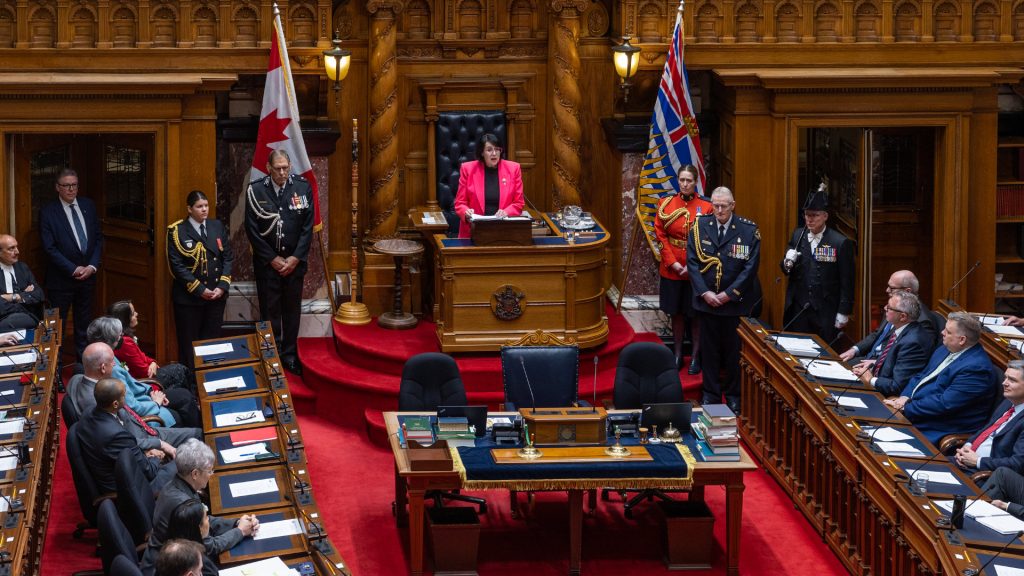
<point x="891" y="309"/>
<point x="497" y="151"/>
<point x="721" y="206"/>
<point x="891" y="289"/>
<point x="71" y="186"/>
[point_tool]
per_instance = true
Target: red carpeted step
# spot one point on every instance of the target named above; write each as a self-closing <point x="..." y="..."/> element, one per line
<point x="303" y="397"/>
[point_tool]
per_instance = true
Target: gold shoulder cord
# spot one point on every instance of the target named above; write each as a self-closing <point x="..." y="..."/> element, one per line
<point x="197" y="254"/>
<point x="707" y="261"/>
<point x="670" y="218"/>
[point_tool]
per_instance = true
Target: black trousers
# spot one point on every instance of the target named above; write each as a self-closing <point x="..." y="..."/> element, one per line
<point x="18" y="321"/>
<point x="720" y="351"/>
<point x="200" y="321"/>
<point x="1006" y="485"/>
<point x="182" y="405"/>
<point x="811" y="322"/>
<point x="281" y="304"/>
<point x="81" y="298"/>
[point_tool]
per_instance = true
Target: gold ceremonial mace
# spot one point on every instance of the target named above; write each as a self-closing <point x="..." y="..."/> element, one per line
<point x="353" y="312"/>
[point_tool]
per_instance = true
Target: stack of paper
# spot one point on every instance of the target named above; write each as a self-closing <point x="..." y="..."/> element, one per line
<point x="899" y="449"/>
<point x="987" y="515"/>
<point x="989" y="319"/>
<point x="849" y="401"/>
<point x="799" y="346"/>
<point x="1009" y="331"/>
<point x="829" y="370"/>
<point x="269" y="567"/>
<point x="886" y="434"/>
<point x="232" y="383"/>
<point x="211" y="349"/>
<point x="278" y="529"/>
<point x="937" y="477"/>
<point x="17" y="359"/>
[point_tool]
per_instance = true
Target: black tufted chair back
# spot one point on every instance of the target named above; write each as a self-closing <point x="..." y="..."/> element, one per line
<point x="456" y="136"/>
<point x="646" y="374"/>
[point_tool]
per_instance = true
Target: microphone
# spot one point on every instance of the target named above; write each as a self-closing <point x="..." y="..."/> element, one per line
<point x="311" y="525"/>
<point x="290" y="443"/>
<point x="594" y="407"/>
<point x="528" y="386"/>
<point x="30" y="424"/>
<point x="750" y="313"/>
<point x="14" y="506"/>
<point x="820" y="354"/>
<point x="956" y="518"/>
<point x="327" y="561"/>
<point x="252" y="304"/>
<point x="949" y="295"/>
<point x="871" y="438"/>
<point x="973" y="572"/>
<point x="775" y="337"/>
<point x="303" y="498"/>
<point x="284" y="409"/>
<point x="833" y="400"/>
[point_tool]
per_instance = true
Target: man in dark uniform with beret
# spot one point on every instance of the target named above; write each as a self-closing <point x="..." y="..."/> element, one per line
<point x="722" y="256"/>
<point x="279" y="223"/>
<point x="820" y="264"/>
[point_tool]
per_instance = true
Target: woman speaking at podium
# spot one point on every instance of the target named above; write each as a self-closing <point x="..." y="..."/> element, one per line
<point x="488" y="186"/>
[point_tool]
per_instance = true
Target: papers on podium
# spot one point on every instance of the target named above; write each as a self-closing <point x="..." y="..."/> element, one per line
<point x="987" y="515"/>
<point x="252" y="487"/>
<point x="211" y="349"/>
<point x="12" y="426"/>
<point x="829" y="370"/>
<point x="278" y="529"/>
<point x="1009" y="331"/>
<point x="938" y="477"/>
<point x="235" y="382"/>
<point x="236" y="418"/>
<point x="899" y="449"/>
<point x="16" y="359"/>
<point x="268" y="567"/>
<point x="849" y="401"/>
<point x="799" y="346"/>
<point x="243" y="453"/>
<point x="886" y="434"/>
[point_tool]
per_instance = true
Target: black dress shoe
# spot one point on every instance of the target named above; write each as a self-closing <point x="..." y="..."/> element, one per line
<point x="694" y="366"/>
<point x="679" y="362"/>
<point x="293" y="365"/>
<point x="734" y="406"/>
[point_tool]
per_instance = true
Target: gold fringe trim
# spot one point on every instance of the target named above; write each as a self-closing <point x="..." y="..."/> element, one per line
<point x="683" y="482"/>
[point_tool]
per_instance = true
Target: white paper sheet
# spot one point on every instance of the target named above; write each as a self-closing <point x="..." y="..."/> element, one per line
<point x="236" y="418"/>
<point x="799" y="346"/>
<point x="850" y="401"/>
<point x="887" y="434"/>
<point x="215" y="385"/>
<point x="1011" y="331"/>
<point x="1003" y="570"/>
<point x="938" y="477"/>
<point x="278" y="529"/>
<point x="20" y="358"/>
<point x="239" y="489"/>
<point x="243" y="453"/>
<point x="267" y="567"/>
<point x="899" y="449"/>
<point x="829" y="369"/>
<point x="212" y="349"/>
<point x="19" y="334"/>
<point x="1004" y="524"/>
<point x="975" y="508"/>
<point x="989" y="319"/>
<point x="8" y="463"/>
<point x="12" y="426"/>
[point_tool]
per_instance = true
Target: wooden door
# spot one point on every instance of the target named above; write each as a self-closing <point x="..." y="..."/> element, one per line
<point x="116" y="172"/>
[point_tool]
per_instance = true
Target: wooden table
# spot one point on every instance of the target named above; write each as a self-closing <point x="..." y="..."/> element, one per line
<point x="410" y="488"/>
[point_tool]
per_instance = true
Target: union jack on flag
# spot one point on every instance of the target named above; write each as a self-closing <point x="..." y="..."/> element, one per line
<point x="674" y="139"/>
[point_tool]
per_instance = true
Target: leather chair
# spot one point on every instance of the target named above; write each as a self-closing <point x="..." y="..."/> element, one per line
<point x="68" y="411"/>
<point x="550" y="372"/>
<point x="135" y="501"/>
<point x="455" y="136"/>
<point x="114" y="537"/>
<point x="430" y="380"/>
<point x="122" y="566"/>
<point x="89" y="495"/>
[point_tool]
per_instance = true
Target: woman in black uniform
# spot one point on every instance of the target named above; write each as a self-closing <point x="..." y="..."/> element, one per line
<point x="199" y="255"/>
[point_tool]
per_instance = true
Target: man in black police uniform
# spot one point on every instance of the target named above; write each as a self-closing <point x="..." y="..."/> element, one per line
<point x="722" y="256"/>
<point x="820" y="264"/>
<point x="279" y="223"/>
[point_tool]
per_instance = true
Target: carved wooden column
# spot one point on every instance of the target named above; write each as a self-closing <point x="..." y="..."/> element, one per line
<point x="383" y="188"/>
<point x="564" y="64"/>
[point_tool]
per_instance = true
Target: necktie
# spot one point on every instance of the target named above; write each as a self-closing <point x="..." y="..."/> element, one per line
<point x="991" y="429"/>
<point x="135" y="416"/>
<point x="880" y="341"/>
<point x="942" y="366"/>
<point x="202" y="232"/>
<point x="11" y="284"/>
<point x="79" y="228"/>
<point x="721" y="232"/>
<point x="885" y="352"/>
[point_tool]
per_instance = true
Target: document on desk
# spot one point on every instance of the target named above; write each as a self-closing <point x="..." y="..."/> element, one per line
<point x="253" y="487"/>
<point x="1004" y="524"/>
<point x="268" y="567"/>
<point x="211" y="349"/>
<point x="1003" y="570"/>
<point x="212" y="386"/>
<point x="886" y="434"/>
<point x="938" y="477"/>
<point x="18" y="334"/>
<point x="278" y="529"/>
<point x="899" y="449"/>
<point x="16" y="359"/>
<point x="12" y="426"/>
<point x="849" y="401"/>
<point x="990" y="319"/>
<point x="829" y="370"/>
<point x="977" y="510"/>
<point x="243" y="453"/>
<point x="8" y="463"/>
<point x="1011" y="331"/>
<point x="799" y="346"/>
<point x="237" y="418"/>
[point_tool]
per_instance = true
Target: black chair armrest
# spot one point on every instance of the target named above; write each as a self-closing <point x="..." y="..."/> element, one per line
<point x="980" y="476"/>
<point x="949" y="443"/>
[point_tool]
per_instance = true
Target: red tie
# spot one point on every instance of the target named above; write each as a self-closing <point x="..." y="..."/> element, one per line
<point x="149" y="429"/>
<point x="888" y="346"/>
<point x="991" y="429"/>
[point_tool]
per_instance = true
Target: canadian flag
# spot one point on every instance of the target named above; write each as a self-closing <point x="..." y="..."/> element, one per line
<point x="279" y="120"/>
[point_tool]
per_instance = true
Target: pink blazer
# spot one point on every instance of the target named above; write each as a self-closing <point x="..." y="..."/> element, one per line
<point x="471" y="191"/>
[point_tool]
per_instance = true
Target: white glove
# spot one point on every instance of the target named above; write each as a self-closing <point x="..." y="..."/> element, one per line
<point x="841" y="320"/>
<point x="792" y="255"/>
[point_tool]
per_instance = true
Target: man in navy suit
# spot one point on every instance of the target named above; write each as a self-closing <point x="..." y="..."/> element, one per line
<point x="953" y="394"/>
<point x="930" y="323"/>
<point x="1000" y="442"/>
<point x="903" y="350"/>
<point x="70" y="231"/>
<point x="21" y="297"/>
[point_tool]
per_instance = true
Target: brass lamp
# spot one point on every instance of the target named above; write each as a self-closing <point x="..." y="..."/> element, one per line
<point x="336" y="62"/>
<point x="627" y="61"/>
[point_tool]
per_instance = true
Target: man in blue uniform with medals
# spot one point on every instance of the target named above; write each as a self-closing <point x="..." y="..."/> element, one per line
<point x="722" y="256"/>
<point x="279" y="224"/>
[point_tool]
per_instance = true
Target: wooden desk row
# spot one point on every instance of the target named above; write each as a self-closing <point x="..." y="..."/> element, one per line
<point x="26" y="488"/>
<point x="259" y="388"/>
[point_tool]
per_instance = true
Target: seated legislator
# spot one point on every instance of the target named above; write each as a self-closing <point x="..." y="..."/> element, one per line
<point x="138" y="363"/>
<point x="904" y="348"/>
<point x="488" y="186"/>
<point x="1006" y="489"/>
<point x="103" y="435"/>
<point x="194" y="463"/>
<point x="190" y="522"/>
<point x="953" y="394"/>
<point x="180" y="557"/>
<point x="1000" y="443"/>
<point x="21" y="297"/>
<point x="175" y="406"/>
<point x="899" y="281"/>
<point x="99" y="361"/>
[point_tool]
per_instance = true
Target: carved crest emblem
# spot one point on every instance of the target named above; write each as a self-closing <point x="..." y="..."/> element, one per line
<point x="508" y="302"/>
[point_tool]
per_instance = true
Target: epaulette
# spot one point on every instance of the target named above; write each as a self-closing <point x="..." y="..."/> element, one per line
<point x="708" y="215"/>
<point x="745" y="221"/>
<point x="299" y="177"/>
<point x="265" y="180"/>
<point x="174" y="224"/>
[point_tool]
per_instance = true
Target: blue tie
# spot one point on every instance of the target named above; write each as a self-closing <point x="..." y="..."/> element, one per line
<point x="79" y="229"/>
<point x="876" y="348"/>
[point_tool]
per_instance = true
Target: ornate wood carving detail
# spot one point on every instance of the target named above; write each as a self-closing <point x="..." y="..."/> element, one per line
<point x="383" y="189"/>
<point x="541" y="338"/>
<point x="566" y="101"/>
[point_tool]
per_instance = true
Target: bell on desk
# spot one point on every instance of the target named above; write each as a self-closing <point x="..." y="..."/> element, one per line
<point x="671" y="434"/>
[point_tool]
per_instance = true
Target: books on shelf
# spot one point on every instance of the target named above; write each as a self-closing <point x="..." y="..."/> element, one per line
<point x="717" y="439"/>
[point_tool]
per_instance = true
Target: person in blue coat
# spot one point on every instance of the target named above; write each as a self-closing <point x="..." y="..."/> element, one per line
<point x="1000" y="442"/>
<point x="955" y="392"/>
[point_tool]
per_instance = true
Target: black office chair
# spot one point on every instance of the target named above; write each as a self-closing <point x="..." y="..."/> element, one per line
<point x="646" y="374"/>
<point x="68" y="411"/>
<point x="430" y="380"/>
<point x="540" y="376"/>
<point x="89" y="495"/>
<point x="115" y="540"/>
<point x="122" y="566"/>
<point x="135" y="501"/>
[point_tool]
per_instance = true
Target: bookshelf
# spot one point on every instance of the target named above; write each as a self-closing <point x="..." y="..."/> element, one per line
<point x="1009" y="249"/>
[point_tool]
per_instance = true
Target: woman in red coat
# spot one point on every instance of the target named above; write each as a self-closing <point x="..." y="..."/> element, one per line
<point x="676" y="215"/>
<point x="139" y="364"/>
<point x="488" y="186"/>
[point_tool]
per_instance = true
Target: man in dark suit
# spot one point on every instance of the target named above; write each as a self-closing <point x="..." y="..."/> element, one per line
<point x="103" y="436"/>
<point x="903" y="351"/>
<point x="279" y="224"/>
<point x="1006" y="488"/>
<point x="953" y="394"/>
<point x="931" y="324"/>
<point x="722" y="255"/>
<point x="71" y="236"/>
<point x="21" y="297"/>
<point x="820" y="266"/>
<point x="1000" y="442"/>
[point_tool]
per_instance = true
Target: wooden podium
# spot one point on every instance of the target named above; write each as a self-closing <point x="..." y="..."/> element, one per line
<point x="488" y="296"/>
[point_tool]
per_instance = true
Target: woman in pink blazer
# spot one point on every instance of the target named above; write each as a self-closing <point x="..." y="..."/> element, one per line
<point x="488" y="186"/>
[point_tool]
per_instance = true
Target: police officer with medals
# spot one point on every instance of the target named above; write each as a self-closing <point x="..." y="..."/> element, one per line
<point x="820" y="265"/>
<point x="722" y="255"/>
<point x="279" y="224"/>
<point x="199" y="255"/>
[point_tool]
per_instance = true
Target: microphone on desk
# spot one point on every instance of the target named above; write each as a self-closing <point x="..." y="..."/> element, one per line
<point x="327" y="561"/>
<point x="311" y="525"/>
<point x="956" y="517"/>
<point x="14" y="506"/>
<point x="949" y="295"/>
<point x="806" y="368"/>
<point x="28" y="423"/>
<point x="871" y="438"/>
<point x="594" y="407"/>
<point x="533" y="400"/>
<point x="775" y="337"/>
<point x="252" y="304"/>
<point x="750" y="313"/>
<point x="973" y="572"/>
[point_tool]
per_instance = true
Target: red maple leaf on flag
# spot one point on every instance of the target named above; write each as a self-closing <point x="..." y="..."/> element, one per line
<point x="271" y="131"/>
